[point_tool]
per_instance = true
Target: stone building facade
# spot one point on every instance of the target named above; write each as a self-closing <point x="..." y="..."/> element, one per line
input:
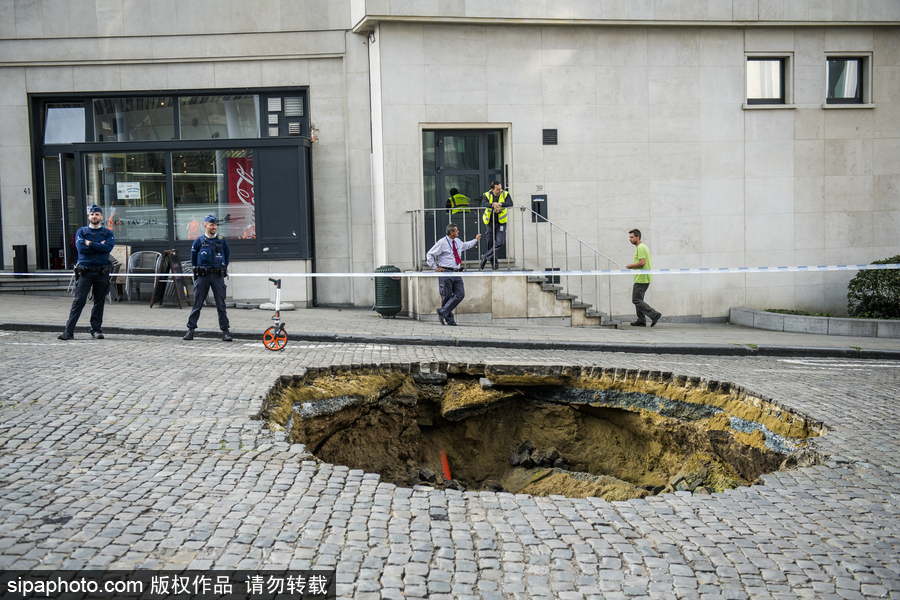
<point x="731" y="132"/>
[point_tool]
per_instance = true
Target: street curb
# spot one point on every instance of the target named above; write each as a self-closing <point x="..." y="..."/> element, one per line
<point x="635" y="348"/>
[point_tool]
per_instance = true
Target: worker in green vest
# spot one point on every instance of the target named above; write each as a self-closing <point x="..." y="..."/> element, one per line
<point x="495" y="201"/>
<point x="458" y="203"/>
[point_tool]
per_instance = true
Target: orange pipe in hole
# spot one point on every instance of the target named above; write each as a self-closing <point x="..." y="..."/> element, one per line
<point x="446" y="465"/>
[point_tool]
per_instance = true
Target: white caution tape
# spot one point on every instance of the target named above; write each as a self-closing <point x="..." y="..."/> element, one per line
<point x="399" y="274"/>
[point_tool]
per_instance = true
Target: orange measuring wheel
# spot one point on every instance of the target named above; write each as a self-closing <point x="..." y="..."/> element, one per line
<point x="275" y="338"/>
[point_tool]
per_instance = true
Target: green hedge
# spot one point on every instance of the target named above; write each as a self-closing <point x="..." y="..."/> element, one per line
<point x="875" y="294"/>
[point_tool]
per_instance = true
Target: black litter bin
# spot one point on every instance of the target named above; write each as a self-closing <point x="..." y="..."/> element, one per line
<point x="20" y="259"/>
<point x="387" y="293"/>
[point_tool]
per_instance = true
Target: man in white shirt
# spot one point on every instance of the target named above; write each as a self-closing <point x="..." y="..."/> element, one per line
<point x="446" y="255"/>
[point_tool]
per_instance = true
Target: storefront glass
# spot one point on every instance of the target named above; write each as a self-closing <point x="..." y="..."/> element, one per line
<point x="218" y="117"/>
<point x="217" y="182"/>
<point x="130" y="187"/>
<point x="133" y="119"/>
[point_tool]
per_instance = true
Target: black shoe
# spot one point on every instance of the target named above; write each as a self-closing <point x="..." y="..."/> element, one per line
<point x="639" y="324"/>
<point x="441" y="317"/>
<point x="226" y="336"/>
<point x="495" y="266"/>
<point x="65" y="336"/>
<point x="97" y="335"/>
<point x="189" y="335"/>
<point x="655" y="319"/>
<point x="451" y="323"/>
<point x="481" y="264"/>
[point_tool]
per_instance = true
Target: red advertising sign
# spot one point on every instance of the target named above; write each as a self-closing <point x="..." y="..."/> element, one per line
<point x="241" y="192"/>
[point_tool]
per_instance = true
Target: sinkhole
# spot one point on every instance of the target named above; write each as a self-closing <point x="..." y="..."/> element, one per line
<point x="578" y="432"/>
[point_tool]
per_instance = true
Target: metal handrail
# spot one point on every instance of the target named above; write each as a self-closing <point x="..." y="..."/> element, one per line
<point x="574" y="285"/>
<point x="517" y="251"/>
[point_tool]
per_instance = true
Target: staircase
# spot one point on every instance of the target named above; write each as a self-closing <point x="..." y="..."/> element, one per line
<point x="42" y="283"/>
<point x="540" y="246"/>
<point x="582" y="313"/>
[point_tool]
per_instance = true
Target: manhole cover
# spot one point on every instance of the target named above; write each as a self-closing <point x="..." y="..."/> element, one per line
<point x="614" y="434"/>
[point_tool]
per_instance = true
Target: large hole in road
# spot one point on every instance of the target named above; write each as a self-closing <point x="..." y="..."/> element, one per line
<point x="578" y="432"/>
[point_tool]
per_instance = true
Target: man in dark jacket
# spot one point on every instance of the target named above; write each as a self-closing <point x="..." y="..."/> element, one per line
<point x="209" y="257"/>
<point x="94" y="243"/>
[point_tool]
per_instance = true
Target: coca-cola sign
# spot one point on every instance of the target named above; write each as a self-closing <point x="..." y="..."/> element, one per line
<point x="241" y="192"/>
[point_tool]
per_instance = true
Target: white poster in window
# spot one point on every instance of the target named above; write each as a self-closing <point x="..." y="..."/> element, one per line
<point x="127" y="190"/>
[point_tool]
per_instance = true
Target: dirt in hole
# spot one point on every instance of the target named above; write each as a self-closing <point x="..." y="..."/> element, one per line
<point x="399" y="426"/>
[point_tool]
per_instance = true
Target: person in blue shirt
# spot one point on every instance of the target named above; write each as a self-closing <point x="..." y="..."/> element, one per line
<point x="209" y="257"/>
<point x="94" y="243"/>
<point x="446" y="255"/>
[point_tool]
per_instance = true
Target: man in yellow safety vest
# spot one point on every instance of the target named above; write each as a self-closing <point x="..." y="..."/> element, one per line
<point x="458" y="203"/>
<point x="495" y="201"/>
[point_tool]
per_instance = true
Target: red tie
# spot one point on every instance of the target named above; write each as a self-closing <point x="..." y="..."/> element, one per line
<point x="455" y="253"/>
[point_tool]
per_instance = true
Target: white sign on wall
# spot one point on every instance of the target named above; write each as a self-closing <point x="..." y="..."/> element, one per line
<point x="126" y="190"/>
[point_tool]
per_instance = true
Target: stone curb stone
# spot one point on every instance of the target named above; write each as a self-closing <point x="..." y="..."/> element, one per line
<point x="636" y="348"/>
<point x="808" y="351"/>
<point x="760" y="319"/>
<point x="769" y="321"/>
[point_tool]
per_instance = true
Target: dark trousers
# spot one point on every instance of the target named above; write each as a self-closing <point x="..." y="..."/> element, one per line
<point x="201" y="290"/>
<point x="99" y="283"/>
<point x="452" y="293"/>
<point x="644" y="311"/>
<point x="495" y="238"/>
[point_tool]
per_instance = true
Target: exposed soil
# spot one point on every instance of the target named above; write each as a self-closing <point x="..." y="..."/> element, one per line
<point x="615" y="444"/>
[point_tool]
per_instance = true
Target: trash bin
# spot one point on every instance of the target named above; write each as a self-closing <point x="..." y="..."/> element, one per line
<point x="387" y="293"/>
<point x="20" y="259"/>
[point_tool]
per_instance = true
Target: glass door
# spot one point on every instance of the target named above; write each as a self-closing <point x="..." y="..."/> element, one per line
<point x="464" y="162"/>
<point x="61" y="219"/>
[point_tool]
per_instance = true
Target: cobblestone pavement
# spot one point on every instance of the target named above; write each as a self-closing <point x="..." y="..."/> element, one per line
<point x="141" y="452"/>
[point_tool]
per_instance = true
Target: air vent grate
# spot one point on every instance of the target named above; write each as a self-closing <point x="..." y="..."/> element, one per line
<point x="293" y="107"/>
<point x="550" y="138"/>
<point x="293" y="128"/>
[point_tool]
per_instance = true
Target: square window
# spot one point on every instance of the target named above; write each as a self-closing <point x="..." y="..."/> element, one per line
<point x="766" y="80"/>
<point x="845" y="80"/>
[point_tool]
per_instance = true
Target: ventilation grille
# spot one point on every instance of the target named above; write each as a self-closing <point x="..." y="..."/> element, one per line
<point x="293" y="107"/>
<point x="293" y="128"/>
<point x="550" y="137"/>
<point x="274" y="104"/>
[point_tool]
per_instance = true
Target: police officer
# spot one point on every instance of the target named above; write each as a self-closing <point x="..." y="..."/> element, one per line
<point x="94" y="242"/>
<point x="209" y="257"/>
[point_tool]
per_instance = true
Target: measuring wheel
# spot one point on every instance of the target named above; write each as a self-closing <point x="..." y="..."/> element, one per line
<point x="275" y="338"/>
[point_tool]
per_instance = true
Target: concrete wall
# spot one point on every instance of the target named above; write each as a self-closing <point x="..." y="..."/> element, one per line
<point x="653" y="134"/>
<point x="666" y="11"/>
<point x="89" y="45"/>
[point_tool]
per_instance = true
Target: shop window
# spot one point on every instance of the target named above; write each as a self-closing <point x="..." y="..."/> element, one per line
<point x="131" y="189"/>
<point x="133" y="119"/>
<point x="214" y="182"/>
<point x="768" y="80"/>
<point x="847" y="80"/>
<point x="218" y="117"/>
<point x="63" y="123"/>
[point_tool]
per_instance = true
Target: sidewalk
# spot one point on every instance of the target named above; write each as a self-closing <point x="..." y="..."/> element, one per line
<point x="354" y="325"/>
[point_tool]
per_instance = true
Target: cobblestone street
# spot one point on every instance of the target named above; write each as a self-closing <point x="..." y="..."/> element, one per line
<point x="141" y="452"/>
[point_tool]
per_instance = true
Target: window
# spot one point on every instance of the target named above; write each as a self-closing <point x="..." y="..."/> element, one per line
<point x="133" y="119"/>
<point x="223" y="117"/>
<point x="214" y="182"/>
<point x="766" y="80"/>
<point x="130" y="187"/>
<point x="845" y="80"/>
<point x="64" y="123"/>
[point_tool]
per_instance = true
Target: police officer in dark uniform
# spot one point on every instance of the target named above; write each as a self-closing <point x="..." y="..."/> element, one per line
<point x="94" y="243"/>
<point x="209" y="257"/>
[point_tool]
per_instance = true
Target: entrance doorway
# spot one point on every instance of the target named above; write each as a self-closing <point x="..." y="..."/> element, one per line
<point x="466" y="160"/>
<point x="61" y="219"/>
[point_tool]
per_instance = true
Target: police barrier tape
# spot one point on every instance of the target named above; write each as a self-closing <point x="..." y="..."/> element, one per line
<point x="399" y="274"/>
